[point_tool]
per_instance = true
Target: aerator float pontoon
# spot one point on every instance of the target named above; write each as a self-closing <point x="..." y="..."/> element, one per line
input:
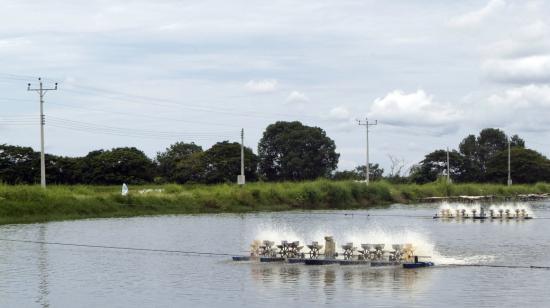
<point x="369" y="254"/>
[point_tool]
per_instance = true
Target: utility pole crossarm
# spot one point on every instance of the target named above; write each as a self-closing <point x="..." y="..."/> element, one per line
<point x="41" y="92"/>
<point x="366" y="123"/>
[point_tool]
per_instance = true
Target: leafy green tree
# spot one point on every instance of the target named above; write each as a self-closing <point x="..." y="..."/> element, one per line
<point x="434" y="165"/>
<point x="222" y="163"/>
<point x="19" y="165"/>
<point x="190" y="170"/>
<point x="119" y="165"/>
<point x="479" y="151"/>
<point x="63" y="170"/>
<point x="358" y="174"/>
<point x="293" y="151"/>
<point x="174" y="158"/>
<point x="490" y="142"/>
<point x="469" y="149"/>
<point x="527" y="166"/>
<point x="516" y="141"/>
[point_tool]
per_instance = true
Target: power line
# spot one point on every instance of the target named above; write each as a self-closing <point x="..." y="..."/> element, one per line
<point x="144" y="116"/>
<point x="88" y="125"/>
<point x="498" y="266"/>
<point x="117" y="131"/>
<point x="167" y="102"/>
<point x="188" y="252"/>
<point x="219" y="254"/>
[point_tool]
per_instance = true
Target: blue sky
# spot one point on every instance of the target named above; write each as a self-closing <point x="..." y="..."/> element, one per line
<point x="147" y="74"/>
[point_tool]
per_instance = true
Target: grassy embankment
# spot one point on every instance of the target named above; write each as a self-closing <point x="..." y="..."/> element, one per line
<point x="23" y="203"/>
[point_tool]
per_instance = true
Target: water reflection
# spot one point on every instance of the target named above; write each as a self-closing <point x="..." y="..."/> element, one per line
<point x="43" y="285"/>
<point x="329" y="277"/>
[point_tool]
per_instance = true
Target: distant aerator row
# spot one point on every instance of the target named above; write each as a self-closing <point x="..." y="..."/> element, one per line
<point x="475" y="213"/>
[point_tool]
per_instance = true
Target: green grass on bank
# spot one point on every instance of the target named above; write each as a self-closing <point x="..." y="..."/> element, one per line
<point x="30" y="203"/>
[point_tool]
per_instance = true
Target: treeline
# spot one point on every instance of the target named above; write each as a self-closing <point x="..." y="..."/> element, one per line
<point x="484" y="159"/>
<point x="288" y="151"/>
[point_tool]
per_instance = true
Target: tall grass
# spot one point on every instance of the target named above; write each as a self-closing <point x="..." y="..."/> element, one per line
<point x="27" y="203"/>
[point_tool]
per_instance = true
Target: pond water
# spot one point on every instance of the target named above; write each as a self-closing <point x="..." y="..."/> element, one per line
<point x="46" y="275"/>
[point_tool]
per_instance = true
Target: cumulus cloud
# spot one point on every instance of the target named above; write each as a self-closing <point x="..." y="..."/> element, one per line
<point x="296" y="97"/>
<point x="262" y="86"/>
<point x="525" y="108"/>
<point x="522" y="97"/>
<point x="413" y="109"/>
<point x="339" y="113"/>
<point x="523" y="57"/>
<point x="519" y="70"/>
<point x="475" y="18"/>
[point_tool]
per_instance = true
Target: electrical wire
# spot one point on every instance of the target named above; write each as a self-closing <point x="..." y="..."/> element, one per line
<point x="186" y="252"/>
<point x="161" y="102"/>
<point x="115" y="131"/>
<point x="219" y="254"/>
<point x="144" y="116"/>
<point x="497" y="266"/>
<point x="130" y="132"/>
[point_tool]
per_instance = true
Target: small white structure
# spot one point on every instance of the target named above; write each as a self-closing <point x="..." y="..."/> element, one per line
<point x="124" y="191"/>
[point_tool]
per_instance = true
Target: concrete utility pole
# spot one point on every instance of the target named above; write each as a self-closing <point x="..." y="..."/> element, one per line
<point x="448" y="167"/>
<point x="367" y="124"/>
<point x="509" y="167"/>
<point x="241" y="178"/>
<point x="41" y="92"/>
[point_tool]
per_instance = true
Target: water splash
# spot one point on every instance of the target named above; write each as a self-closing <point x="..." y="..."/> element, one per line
<point x="276" y="234"/>
<point x="513" y="207"/>
<point x="469" y="208"/>
<point x="374" y="235"/>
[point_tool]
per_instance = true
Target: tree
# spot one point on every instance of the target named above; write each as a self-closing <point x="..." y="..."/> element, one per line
<point x="479" y="151"/>
<point x="490" y="142"/>
<point x="119" y="165"/>
<point x="527" y="166"/>
<point x="293" y="151"/>
<point x="516" y="141"/>
<point x="222" y="163"/>
<point x="19" y="165"/>
<point x="63" y="170"/>
<point x="434" y="165"/>
<point x="469" y="149"/>
<point x="358" y="174"/>
<point x="174" y="158"/>
<point x="192" y="169"/>
<point x="396" y="174"/>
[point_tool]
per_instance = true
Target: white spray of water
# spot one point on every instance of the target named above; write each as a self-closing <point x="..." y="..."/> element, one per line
<point x="277" y="234"/>
<point x="374" y="235"/>
<point x="469" y="208"/>
<point x="454" y="207"/>
<point x="512" y="208"/>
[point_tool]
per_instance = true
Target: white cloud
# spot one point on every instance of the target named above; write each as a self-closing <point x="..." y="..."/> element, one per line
<point x="520" y="109"/>
<point x="522" y="57"/>
<point x="522" y="98"/>
<point x="339" y="113"/>
<point x="413" y="109"/>
<point x="475" y="18"/>
<point x="519" y="70"/>
<point x="262" y="86"/>
<point x="296" y="97"/>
